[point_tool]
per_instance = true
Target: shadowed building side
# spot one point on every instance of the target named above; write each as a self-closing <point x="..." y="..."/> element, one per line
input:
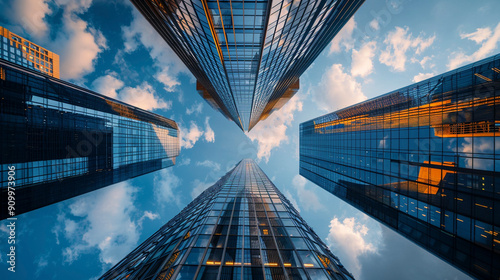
<point x="64" y="141"/>
<point x="247" y="56"/>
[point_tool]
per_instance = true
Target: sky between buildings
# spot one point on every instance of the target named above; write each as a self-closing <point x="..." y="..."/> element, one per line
<point x="108" y="47"/>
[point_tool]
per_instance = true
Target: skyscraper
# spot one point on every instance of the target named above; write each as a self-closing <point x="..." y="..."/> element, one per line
<point x="424" y="160"/>
<point x="247" y="55"/>
<point x="16" y="49"/>
<point x="242" y="227"/>
<point x="63" y="140"/>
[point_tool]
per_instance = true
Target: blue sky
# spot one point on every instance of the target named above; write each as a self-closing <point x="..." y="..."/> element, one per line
<point x="108" y="47"/>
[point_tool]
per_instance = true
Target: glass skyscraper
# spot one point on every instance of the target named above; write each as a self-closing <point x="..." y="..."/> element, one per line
<point x="423" y="160"/>
<point x="16" y="49"/>
<point x="63" y="140"/>
<point x="242" y="227"/>
<point x="247" y="55"/>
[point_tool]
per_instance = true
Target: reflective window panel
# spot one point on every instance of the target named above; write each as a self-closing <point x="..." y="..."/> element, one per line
<point x="424" y="160"/>
<point x="64" y="140"/>
<point x="233" y="230"/>
<point x="247" y="55"/>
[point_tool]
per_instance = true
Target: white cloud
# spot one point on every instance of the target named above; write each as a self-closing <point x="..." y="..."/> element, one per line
<point x="108" y="85"/>
<point x="489" y="41"/>
<point x="78" y="44"/>
<point x="398" y="42"/>
<point x="70" y="227"/>
<point x="184" y="161"/>
<point x="195" y="108"/>
<point x="190" y="136"/>
<point x="31" y="15"/>
<point x="424" y="62"/>
<point x="102" y="220"/>
<point x="478" y="36"/>
<point x="4" y="229"/>
<point x="168" y="79"/>
<point x="148" y="215"/>
<point x="347" y="240"/>
<point x="143" y="96"/>
<point x="271" y="132"/>
<point x="422" y="76"/>
<point x="165" y="185"/>
<point x="209" y="133"/>
<point x="478" y="145"/>
<point x="199" y="187"/>
<point x="166" y="62"/>
<point x="299" y="181"/>
<point x="307" y="198"/>
<point x="78" y="6"/>
<point x="291" y="198"/>
<point x="362" y="64"/>
<point x="180" y="95"/>
<point x="209" y="164"/>
<point x="343" y="38"/>
<point x="384" y="143"/>
<point x="374" y="24"/>
<point x="41" y="262"/>
<point x="337" y="90"/>
<point x="393" y="255"/>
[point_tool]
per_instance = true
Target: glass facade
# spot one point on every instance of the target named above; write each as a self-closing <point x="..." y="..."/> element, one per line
<point x="247" y="55"/>
<point x="64" y="140"/>
<point x="18" y="50"/>
<point x="242" y="227"/>
<point x="424" y="160"/>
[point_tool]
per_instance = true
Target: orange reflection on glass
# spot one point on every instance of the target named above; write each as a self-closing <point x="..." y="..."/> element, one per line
<point x="413" y="117"/>
<point x="432" y="177"/>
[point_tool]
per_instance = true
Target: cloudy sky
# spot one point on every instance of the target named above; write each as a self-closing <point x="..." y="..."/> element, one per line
<point x="106" y="46"/>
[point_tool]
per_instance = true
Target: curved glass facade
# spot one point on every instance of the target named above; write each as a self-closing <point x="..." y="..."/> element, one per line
<point x="247" y="54"/>
<point x="424" y="160"/>
<point x="242" y="227"/>
<point x="64" y="140"/>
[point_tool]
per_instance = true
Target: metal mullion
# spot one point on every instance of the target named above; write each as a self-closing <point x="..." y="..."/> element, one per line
<point x="258" y="235"/>
<point x="160" y="268"/>
<point x="211" y="236"/>
<point x="206" y="58"/>
<point x="174" y="43"/>
<point x="304" y="61"/>
<point x="207" y="200"/>
<point x="264" y="36"/>
<point x="272" y="232"/>
<point x="294" y="250"/>
<point x="227" y="237"/>
<point x="209" y="19"/>
<point x="328" y="28"/>
<point x="234" y="32"/>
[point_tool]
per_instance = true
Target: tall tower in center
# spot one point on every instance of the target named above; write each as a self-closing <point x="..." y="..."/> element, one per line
<point x="240" y="228"/>
<point x="247" y="55"/>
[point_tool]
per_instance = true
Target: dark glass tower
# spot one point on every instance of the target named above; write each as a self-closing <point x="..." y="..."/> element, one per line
<point x="240" y="228"/>
<point x="247" y="55"/>
<point x="64" y="140"/>
<point x="424" y="160"/>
